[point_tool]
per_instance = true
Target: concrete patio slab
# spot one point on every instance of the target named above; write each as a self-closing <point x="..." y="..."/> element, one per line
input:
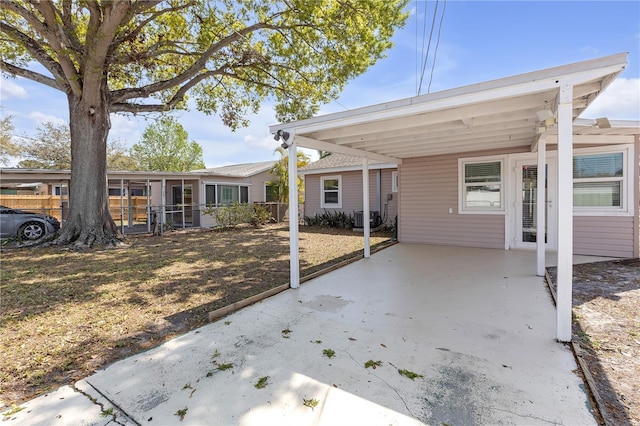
<point x="476" y="324"/>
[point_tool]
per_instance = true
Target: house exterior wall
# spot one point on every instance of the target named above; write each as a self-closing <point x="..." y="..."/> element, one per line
<point x="351" y="193"/>
<point x="429" y="188"/>
<point x="429" y="212"/>
<point x="257" y="182"/>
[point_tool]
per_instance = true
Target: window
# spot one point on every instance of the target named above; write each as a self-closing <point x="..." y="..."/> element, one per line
<point x="598" y="181"/>
<point x="217" y="194"/>
<point x="271" y="192"/>
<point x="330" y="192"/>
<point x="394" y="182"/>
<point x="481" y="186"/>
<point x="210" y="195"/>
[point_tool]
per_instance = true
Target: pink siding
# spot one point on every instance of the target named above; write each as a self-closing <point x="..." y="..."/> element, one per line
<point x="256" y="190"/>
<point x="429" y="187"/>
<point x="352" y="194"/>
<point x="604" y="236"/>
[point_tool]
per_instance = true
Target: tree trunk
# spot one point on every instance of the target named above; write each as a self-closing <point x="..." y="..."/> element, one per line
<point x="89" y="222"/>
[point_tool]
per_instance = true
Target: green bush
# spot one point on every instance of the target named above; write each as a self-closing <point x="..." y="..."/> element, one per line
<point x="330" y="220"/>
<point x="238" y="213"/>
<point x="260" y="216"/>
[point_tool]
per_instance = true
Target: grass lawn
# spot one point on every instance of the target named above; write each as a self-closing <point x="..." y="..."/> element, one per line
<point x="65" y="313"/>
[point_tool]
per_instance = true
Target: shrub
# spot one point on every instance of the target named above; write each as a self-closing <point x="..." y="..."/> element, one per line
<point x="330" y="220"/>
<point x="260" y="216"/>
<point x="238" y="213"/>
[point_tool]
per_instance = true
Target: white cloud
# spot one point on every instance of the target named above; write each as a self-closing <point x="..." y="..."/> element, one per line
<point x="619" y="101"/>
<point x="261" y="142"/>
<point x="125" y="128"/>
<point x="41" y="118"/>
<point x="10" y="89"/>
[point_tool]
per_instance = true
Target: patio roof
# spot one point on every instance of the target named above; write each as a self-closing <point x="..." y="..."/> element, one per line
<point x="528" y="110"/>
<point x="502" y="113"/>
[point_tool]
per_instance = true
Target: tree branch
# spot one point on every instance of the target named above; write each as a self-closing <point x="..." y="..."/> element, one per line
<point x="34" y="48"/>
<point x="31" y="75"/>
<point x="57" y="39"/>
<point x="141" y="92"/>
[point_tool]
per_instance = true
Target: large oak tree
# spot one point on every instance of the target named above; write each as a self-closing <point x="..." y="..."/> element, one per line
<point x="225" y="57"/>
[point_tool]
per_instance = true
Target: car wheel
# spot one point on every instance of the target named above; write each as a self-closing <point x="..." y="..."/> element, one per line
<point x="31" y="231"/>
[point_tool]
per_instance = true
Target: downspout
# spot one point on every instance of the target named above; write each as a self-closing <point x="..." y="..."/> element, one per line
<point x="294" y="254"/>
<point x="565" y="213"/>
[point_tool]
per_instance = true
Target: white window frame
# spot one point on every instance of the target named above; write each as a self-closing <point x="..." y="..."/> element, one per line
<point x="218" y="185"/>
<point x="264" y="192"/>
<point x="626" y="191"/>
<point x="462" y="162"/>
<point x="337" y="205"/>
<point x="395" y="182"/>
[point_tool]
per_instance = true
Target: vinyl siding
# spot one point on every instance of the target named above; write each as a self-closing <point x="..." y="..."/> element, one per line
<point x="603" y="236"/>
<point x="352" y="194"/>
<point x="429" y="187"/>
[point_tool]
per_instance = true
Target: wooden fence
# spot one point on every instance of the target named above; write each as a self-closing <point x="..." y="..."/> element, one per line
<point x="53" y="205"/>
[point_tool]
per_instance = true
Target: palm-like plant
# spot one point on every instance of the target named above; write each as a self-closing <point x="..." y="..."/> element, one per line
<point x="281" y="170"/>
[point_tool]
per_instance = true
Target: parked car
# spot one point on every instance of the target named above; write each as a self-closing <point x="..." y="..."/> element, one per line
<point x="25" y="225"/>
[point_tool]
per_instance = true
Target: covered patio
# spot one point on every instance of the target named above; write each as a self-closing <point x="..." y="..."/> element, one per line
<point x="531" y="113"/>
<point x="477" y="325"/>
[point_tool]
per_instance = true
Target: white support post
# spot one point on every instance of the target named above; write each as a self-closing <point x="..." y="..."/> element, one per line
<point x="129" y="204"/>
<point x="565" y="213"/>
<point x="149" y="206"/>
<point x="541" y="206"/>
<point x="163" y="208"/>
<point x="121" y="206"/>
<point x="294" y="273"/>
<point x="365" y="208"/>
<point x="183" y="207"/>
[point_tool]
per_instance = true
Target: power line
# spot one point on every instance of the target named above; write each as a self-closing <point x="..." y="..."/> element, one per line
<point x="426" y="56"/>
<point x="435" y="53"/>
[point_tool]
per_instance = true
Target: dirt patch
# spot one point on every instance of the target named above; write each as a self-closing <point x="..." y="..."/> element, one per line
<point x="65" y="314"/>
<point x="606" y="326"/>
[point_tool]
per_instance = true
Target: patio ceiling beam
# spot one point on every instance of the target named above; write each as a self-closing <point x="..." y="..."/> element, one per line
<point x="306" y="142"/>
<point x="490" y="108"/>
<point x="467" y="144"/>
<point x="494" y="130"/>
<point x="461" y="149"/>
<point x="596" y="139"/>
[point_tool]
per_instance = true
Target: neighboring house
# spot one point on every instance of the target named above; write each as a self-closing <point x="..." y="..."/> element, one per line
<point x="334" y="183"/>
<point x="176" y="197"/>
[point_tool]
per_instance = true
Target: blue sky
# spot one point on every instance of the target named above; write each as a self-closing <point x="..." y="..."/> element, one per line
<point x="479" y="41"/>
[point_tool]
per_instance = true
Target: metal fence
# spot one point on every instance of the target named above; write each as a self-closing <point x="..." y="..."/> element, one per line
<point x="135" y="216"/>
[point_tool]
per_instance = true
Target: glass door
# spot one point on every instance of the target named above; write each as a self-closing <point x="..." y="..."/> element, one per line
<point x="526" y="205"/>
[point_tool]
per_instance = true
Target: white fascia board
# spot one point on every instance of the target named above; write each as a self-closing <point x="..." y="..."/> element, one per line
<point x="596" y="139"/>
<point x="305" y="142"/>
<point x="591" y="122"/>
<point x="329" y="170"/>
<point x="537" y="81"/>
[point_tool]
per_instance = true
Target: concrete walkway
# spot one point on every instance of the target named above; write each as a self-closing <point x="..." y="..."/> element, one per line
<point x="476" y="324"/>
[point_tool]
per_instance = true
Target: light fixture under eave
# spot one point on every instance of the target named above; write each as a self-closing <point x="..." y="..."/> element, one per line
<point x="603" y="123"/>
<point x="281" y="134"/>
<point x="545" y="114"/>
